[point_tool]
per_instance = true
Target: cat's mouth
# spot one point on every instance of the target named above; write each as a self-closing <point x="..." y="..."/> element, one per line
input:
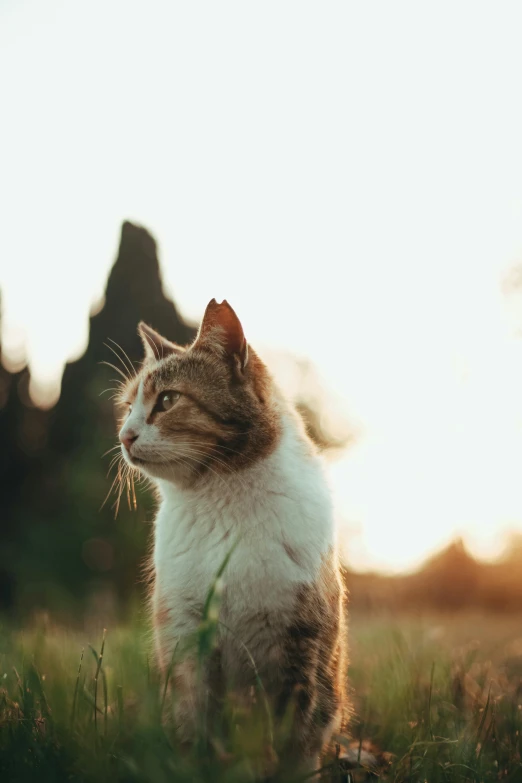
<point x="140" y="461"/>
<point x="135" y="460"/>
<point x="147" y="461"/>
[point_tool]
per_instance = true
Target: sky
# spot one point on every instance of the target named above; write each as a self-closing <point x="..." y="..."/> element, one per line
<point x="348" y="175"/>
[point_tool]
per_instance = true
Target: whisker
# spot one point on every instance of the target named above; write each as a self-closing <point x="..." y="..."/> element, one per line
<point x="110" y="388"/>
<point x="215" y="447"/>
<point x="118" y="389"/>
<point x="132" y="368"/>
<point x="134" y="501"/>
<point x="107" y="496"/>
<point x="127" y="481"/>
<point x="172" y="450"/>
<point x="129" y="373"/>
<point x="117" y="369"/>
<point x="113" y="462"/>
<point x="117" y="446"/>
<point x="121" y="477"/>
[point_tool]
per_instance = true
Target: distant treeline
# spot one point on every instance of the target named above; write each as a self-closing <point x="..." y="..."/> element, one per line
<point x="452" y="580"/>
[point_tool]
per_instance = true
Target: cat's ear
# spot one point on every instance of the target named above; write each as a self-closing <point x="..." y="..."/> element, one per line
<point x="221" y="331"/>
<point x="156" y="346"/>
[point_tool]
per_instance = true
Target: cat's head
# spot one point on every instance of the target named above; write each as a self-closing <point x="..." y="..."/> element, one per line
<point x="202" y="410"/>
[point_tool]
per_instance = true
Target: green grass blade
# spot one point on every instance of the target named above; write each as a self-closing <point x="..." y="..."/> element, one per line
<point x="77" y="685"/>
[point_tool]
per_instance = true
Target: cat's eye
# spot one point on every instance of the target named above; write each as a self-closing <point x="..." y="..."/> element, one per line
<point x="167" y="400"/>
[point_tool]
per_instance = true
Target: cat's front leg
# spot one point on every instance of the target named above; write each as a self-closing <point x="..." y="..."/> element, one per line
<point x="186" y="702"/>
<point x="183" y="703"/>
<point x="177" y="663"/>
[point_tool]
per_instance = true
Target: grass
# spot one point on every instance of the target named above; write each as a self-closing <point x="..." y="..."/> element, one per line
<point x="437" y="699"/>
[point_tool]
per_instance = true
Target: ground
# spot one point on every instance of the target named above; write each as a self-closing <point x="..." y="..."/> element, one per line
<point x="435" y="699"/>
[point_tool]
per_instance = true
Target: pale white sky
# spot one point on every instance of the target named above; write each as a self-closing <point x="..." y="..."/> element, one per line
<point x="356" y="162"/>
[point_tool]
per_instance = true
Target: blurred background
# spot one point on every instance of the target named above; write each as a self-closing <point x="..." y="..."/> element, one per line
<point x="353" y="190"/>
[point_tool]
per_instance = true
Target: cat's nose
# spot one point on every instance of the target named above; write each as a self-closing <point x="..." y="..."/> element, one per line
<point x="128" y="438"/>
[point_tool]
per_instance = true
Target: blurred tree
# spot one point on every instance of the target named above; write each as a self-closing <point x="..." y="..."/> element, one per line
<point x="57" y="543"/>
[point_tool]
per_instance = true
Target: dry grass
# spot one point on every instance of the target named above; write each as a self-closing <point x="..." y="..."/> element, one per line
<point x="436" y="699"/>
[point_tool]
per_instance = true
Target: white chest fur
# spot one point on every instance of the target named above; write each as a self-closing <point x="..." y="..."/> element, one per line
<point x="276" y="516"/>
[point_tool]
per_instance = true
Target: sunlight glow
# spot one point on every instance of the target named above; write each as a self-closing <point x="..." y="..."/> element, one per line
<point x="348" y="176"/>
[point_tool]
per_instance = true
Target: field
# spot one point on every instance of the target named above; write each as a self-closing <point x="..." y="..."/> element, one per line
<point x="436" y="699"/>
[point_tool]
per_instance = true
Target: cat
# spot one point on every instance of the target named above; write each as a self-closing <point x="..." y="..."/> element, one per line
<point x="238" y="478"/>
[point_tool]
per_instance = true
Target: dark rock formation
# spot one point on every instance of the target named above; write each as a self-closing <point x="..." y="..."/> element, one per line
<point x="134" y="292"/>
